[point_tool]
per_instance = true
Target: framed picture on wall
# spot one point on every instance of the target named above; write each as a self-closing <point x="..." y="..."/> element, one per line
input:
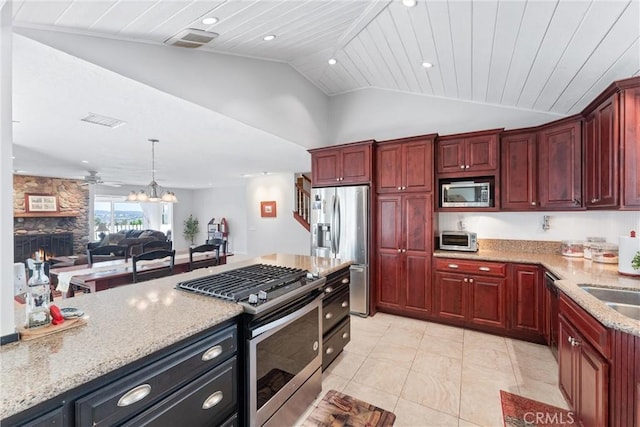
<point x="40" y="203"/>
<point x="268" y="209"/>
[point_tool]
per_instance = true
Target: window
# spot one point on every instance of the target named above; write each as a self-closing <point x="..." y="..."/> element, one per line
<point x="117" y="214"/>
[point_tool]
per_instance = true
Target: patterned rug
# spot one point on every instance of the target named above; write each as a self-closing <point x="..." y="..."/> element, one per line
<point x="337" y="409"/>
<point x="519" y="411"/>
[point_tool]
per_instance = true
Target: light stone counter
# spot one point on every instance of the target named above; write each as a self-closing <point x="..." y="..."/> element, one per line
<point x="572" y="271"/>
<point x="124" y="324"/>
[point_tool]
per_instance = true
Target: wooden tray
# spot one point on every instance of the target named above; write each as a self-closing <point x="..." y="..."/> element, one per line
<point x="27" y="334"/>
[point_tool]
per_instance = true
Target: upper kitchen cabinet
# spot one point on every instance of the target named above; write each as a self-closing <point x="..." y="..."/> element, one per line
<point x="519" y="161"/>
<point x="559" y="164"/>
<point x="630" y="144"/>
<point x="468" y="154"/>
<point x="405" y="165"/>
<point x="345" y="165"/>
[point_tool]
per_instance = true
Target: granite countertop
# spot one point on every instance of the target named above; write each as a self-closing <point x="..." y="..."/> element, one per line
<point x="124" y="324"/>
<point x="572" y="272"/>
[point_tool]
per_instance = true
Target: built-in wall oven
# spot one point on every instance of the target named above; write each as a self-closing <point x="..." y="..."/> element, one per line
<point x="281" y="338"/>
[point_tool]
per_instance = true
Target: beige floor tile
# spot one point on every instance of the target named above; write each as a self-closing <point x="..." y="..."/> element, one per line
<point x="362" y="341"/>
<point x="473" y="340"/>
<point x="346" y="365"/>
<point x="435" y="392"/>
<point x="432" y="344"/>
<point x="465" y="423"/>
<point x="411" y="414"/>
<point x="406" y="323"/>
<point x="332" y="382"/>
<point x="535" y="369"/>
<point x="384" y="376"/>
<point x="375" y="326"/>
<point x="405" y="337"/>
<point x="435" y="364"/>
<point x="480" y="403"/>
<point x="451" y="333"/>
<point x="486" y="357"/>
<point x="543" y="392"/>
<point x="381" y="399"/>
<point x="528" y="350"/>
<point x="480" y="374"/>
<point x="398" y="355"/>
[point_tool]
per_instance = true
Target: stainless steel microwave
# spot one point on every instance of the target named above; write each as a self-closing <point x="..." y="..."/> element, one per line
<point x="466" y="194"/>
<point x="459" y="241"/>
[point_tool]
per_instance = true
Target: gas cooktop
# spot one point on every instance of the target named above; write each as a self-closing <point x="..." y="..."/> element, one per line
<point x="257" y="287"/>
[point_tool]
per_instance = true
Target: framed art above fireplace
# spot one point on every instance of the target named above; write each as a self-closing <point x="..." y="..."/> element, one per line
<point x="40" y="203"/>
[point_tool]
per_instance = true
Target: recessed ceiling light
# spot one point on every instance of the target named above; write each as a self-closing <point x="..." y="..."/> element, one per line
<point x="426" y="64"/>
<point x="85" y="161"/>
<point x="409" y="3"/>
<point x="269" y="37"/>
<point x="210" y="21"/>
<point x="332" y="61"/>
<point x="13" y="157"/>
<point x="97" y="119"/>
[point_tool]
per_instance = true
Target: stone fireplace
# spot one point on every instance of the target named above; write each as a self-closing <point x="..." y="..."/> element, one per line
<point x="64" y="232"/>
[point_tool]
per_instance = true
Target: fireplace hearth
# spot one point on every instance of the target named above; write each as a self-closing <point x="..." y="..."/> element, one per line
<point x="56" y="244"/>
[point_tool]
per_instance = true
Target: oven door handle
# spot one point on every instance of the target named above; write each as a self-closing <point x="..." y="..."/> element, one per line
<point x="286" y="319"/>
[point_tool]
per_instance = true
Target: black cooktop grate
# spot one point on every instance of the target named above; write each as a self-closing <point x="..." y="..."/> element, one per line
<point x="235" y="285"/>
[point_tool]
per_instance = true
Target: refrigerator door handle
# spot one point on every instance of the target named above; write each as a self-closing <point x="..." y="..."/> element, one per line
<point x="333" y="225"/>
<point x="339" y="225"/>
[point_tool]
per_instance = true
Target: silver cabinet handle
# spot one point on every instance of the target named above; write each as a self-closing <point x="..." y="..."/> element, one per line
<point x="328" y="290"/>
<point x="399" y="188"/>
<point x="404" y="250"/>
<point x="345" y="335"/>
<point x="404" y="188"/>
<point x="345" y="304"/>
<point x="485" y="268"/>
<point x="533" y="203"/>
<point x="347" y="280"/>
<point x="461" y="166"/>
<point x="453" y="266"/>
<point x="465" y="280"/>
<point x="466" y="167"/>
<point x="328" y="315"/>
<point x="329" y="350"/>
<point x="212" y="353"/>
<point x="134" y="395"/>
<point x="213" y="400"/>
<point x="399" y="250"/>
<point x="470" y="280"/>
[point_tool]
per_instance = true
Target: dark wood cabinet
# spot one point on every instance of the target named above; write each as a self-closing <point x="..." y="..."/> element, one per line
<point x="560" y="165"/>
<point x="470" y="154"/>
<point x="405" y="165"/>
<point x="630" y="144"/>
<point x="583" y="365"/>
<point x="519" y="169"/>
<point x="470" y="293"/>
<point x="347" y="164"/>
<point x="404" y="250"/>
<point x="336" y="323"/>
<point x="624" y="391"/>
<point x="527" y="301"/>
<point x="601" y="146"/>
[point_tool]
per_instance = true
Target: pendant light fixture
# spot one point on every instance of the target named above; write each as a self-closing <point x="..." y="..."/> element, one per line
<point x="141" y="196"/>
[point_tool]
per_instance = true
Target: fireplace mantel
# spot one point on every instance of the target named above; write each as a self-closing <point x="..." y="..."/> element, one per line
<point x="45" y="214"/>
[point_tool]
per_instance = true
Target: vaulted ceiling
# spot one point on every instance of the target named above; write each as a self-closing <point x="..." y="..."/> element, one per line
<point x="544" y="55"/>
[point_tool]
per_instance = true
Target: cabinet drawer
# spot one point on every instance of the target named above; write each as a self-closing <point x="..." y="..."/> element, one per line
<point x="334" y="309"/>
<point x="336" y="281"/>
<point x="335" y="342"/>
<point x="207" y="401"/>
<point x="498" y="269"/>
<point x="138" y="390"/>
<point x="592" y="330"/>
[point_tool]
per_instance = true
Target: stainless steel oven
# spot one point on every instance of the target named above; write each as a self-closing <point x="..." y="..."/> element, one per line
<point x="285" y="359"/>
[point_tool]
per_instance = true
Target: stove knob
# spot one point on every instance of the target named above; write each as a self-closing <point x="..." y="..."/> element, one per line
<point x="262" y="295"/>
<point x="253" y="299"/>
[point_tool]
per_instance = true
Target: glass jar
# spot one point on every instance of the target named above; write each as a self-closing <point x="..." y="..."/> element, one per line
<point x="606" y="253"/>
<point x="38" y="294"/>
<point x="573" y="248"/>
<point x="588" y="243"/>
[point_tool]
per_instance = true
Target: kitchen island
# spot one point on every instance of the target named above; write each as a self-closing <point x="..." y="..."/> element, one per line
<point x="124" y="325"/>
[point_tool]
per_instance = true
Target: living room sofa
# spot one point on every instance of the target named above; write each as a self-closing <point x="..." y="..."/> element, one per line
<point x="130" y="240"/>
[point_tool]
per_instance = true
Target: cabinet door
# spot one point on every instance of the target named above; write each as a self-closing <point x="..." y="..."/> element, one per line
<point x="559" y="166"/>
<point x="450" y="296"/>
<point x="389" y="165"/>
<point x="356" y="165"/>
<point x="592" y="396"/>
<point x="389" y="267"/>
<point x="519" y="189"/>
<point x="325" y="167"/>
<point x="527" y="303"/>
<point x="566" y="361"/>
<point x="481" y="153"/>
<point x="418" y="166"/>
<point x="487" y="302"/>
<point x="601" y="141"/>
<point x="417" y="250"/>
<point x="451" y="156"/>
<point x="630" y="128"/>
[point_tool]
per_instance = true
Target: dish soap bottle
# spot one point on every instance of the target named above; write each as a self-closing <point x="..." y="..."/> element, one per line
<point x="38" y="294"/>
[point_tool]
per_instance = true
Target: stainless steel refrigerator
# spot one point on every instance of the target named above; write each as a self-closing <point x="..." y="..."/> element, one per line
<point x="340" y="229"/>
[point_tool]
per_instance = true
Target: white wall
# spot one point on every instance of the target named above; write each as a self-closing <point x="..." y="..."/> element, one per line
<point x="528" y="225"/>
<point x="7" y="322"/>
<point x="282" y="233"/>
<point x="270" y="96"/>
<point x="384" y="114"/>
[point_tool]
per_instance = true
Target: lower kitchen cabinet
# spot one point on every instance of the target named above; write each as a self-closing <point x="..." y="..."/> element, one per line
<point x="527" y="307"/>
<point x="471" y="293"/>
<point x="583" y="368"/>
<point x="336" y="323"/>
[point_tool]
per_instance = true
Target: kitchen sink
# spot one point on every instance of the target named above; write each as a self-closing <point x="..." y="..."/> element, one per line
<point x="624" y="301"/>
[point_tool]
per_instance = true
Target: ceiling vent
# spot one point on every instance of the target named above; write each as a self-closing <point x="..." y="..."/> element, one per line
<point x="97" y="119"/>
<point x="191" y="38"/>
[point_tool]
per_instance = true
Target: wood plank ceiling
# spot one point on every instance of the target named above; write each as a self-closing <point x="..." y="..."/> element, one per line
<point x="542" y="55"/>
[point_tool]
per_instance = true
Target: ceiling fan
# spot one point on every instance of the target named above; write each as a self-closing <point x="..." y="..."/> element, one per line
<point x="94" y="178"/>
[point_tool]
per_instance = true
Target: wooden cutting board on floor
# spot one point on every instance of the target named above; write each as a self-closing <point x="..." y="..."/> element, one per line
<point x="341" y="410"/>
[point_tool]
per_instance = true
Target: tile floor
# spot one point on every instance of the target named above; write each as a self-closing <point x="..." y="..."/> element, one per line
<point x="435" y="375"/>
